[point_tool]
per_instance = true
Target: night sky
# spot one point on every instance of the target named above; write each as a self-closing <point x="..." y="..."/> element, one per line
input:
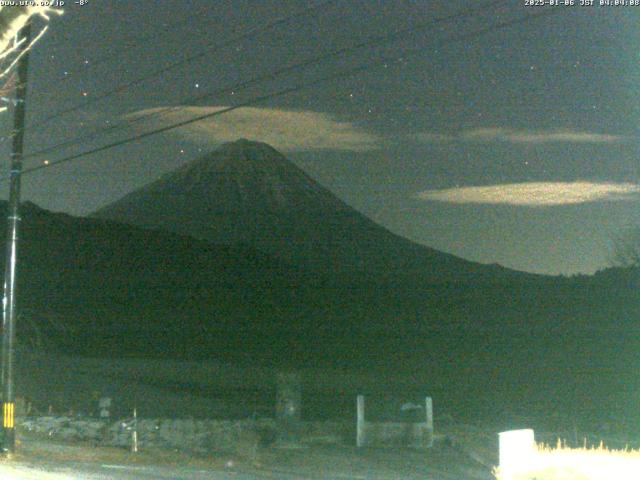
<point x="518" y="146"/>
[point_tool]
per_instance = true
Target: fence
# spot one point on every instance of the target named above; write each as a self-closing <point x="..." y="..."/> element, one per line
<point x="416" y="431"/>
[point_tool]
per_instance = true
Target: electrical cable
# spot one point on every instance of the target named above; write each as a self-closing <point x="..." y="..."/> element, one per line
<point x="158" y="73"/>
<point x="372" y="41"/>
<point x="130" y="45"/>
<point x="279" y="93"/>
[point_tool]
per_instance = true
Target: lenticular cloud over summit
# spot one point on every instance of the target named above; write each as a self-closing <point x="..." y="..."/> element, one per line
<point x="287" y="130"/>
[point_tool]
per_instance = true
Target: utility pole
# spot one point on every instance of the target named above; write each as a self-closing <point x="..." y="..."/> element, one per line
<point x="13" y="221"/>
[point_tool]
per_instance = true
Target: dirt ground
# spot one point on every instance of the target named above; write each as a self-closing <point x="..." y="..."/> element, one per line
<point x="442" y="462"/>
<point x="445" y="461"/>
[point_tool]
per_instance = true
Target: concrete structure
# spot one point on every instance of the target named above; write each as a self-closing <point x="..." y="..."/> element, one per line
<point x="517" y="451"/>
<point x="415" y="434"/>
<point x="288" y="407"/>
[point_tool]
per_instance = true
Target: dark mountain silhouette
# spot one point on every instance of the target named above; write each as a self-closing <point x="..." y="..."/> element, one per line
<point x="478" y="338"/>
<point x="475" y="333"/>
<point x="94" y="286"/>
<point x="248" y="192"/>
<point x="100" y="288"/>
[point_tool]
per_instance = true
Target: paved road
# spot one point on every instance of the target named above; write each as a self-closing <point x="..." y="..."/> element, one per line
<point x="48" y="460"/>
<point x="116" y="472"/>
<point x="87" y="471"/>
<point x="13" y="471"/>
<point x="96" y="471"/>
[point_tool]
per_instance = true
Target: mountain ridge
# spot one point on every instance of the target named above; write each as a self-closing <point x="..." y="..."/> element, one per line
<point x="248" y="192"/>
<point x="102" y="289"/>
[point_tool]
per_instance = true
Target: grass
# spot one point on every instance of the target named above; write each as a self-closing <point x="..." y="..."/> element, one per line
<point x="563" y="463"/>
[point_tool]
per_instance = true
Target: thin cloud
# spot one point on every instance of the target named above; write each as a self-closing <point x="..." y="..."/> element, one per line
<point x="287" y="130"/>
<point x="535" y="194"/>
<point x="571" y="137"/>
<point x="427" y="137"/>
<point x="505" y="135"/>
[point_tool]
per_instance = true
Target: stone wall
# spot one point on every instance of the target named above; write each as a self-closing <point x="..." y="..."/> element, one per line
<point x="200" y="436"/>
<point x="416" y="435"/>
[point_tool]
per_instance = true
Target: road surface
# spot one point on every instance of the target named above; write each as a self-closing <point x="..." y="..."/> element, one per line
<point x="47" y="459"/>
<point x="15" y="471"/>
<point x="379" y="470"/>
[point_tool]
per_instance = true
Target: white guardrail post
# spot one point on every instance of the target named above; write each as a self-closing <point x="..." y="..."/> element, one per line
<point x="428" y="408"/>
<point x="360" y="427"/>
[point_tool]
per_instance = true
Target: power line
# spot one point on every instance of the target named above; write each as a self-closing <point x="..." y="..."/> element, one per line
<point x="279" y="93"/>
<point x="371" y="41"/>
<point x="161" y="71"/>
<point x="130" y="45"/>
